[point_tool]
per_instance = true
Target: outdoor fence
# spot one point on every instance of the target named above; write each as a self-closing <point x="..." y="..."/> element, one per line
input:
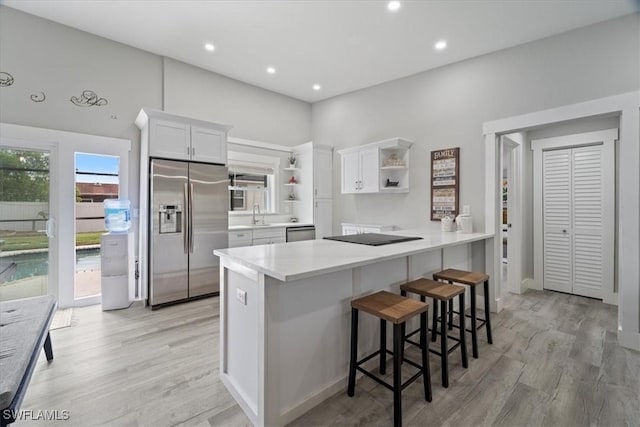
<point x="32" y="216"/>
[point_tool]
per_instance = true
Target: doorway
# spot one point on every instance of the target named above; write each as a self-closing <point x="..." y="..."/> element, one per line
<point x="574" y="213"/>
<point x="511" y="231"/>
<point x="62" y="148"/>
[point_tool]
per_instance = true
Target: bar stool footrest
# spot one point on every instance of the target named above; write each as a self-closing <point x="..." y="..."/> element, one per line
<point x="481" y="322"/>
<point x="449" y="350"/>
<point x="380" y="380"/>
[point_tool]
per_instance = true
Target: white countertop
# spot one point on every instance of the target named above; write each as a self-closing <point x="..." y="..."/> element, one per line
<point x="308" y="258"/>
<point x="269" y="225"/>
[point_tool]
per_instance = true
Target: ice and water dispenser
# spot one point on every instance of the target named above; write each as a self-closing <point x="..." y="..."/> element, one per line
<point x="170" y="219"/>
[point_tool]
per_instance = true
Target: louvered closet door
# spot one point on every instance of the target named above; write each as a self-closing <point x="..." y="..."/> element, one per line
<point x="589" y="212"/>
<point x="557" y="220"/>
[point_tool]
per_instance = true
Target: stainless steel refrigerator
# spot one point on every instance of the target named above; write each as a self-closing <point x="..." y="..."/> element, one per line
<point x="189" y="219"/>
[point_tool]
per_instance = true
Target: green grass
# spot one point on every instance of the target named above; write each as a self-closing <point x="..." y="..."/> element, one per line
<point x="23" y="240"/>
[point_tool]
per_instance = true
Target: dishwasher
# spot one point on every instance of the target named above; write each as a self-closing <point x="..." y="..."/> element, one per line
<point x="305" y="232"/>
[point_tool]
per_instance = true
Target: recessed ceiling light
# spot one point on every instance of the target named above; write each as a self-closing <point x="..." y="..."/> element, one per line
<point x="271" y="70"/>
<point x="440" y="45"/>
<point x="210" y="47"/>
<point x="393" y="6"/>
<point x="317" y="87"/>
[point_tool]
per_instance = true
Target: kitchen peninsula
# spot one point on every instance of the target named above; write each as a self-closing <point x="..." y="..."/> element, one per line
<point x="285" y="313"/>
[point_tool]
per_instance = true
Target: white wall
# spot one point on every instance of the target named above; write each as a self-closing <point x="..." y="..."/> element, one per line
<point x="44" y="56"/>
<point x="446" y="107"/>
<point x="256" y="114"/>
<point x="62" y="62"/>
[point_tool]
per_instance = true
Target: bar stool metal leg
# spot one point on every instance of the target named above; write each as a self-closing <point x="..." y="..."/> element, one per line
<point x="404" y="331"/>
<point x="354" y="352"/>
<point x="487" y="311"/>
<point x="397" y="376"/>
<point x="434" y="324"/>
<point x="443" y="345"/>
<point x="424" y="346"/>
<point x="383" y="346"/>
<point x="463" y="342"/>
<point x="474" y="330"/>
<point x="451" y="310"/>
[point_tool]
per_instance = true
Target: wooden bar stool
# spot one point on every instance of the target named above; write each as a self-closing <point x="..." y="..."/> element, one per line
<point x="397" y="310"/>
<point x="441" y="292"/>
<point x="472" y="279"/>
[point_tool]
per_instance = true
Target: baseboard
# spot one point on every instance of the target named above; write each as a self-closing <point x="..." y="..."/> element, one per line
<point x="611" y="299"/>
<point x="527" y="283"/>
<point x="629" y="340"/>
<point x="303" y="407"/>
<point x="532" y="284"/>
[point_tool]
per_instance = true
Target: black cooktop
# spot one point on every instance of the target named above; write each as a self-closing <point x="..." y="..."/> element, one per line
<point x="372" y="239"/>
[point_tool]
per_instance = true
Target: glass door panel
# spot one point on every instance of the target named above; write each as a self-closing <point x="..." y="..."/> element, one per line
<point x="97" y="179"/>
<point x="24" y="221"/>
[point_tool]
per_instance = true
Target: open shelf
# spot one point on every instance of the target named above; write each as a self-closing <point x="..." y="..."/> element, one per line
<point x="290" y="169"/>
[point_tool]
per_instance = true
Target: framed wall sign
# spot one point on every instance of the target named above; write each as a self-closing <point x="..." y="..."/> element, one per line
<point x="445" y="178"/>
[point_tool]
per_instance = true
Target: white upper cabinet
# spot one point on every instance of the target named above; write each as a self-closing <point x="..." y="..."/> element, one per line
<point x="208" y="145"/>
<point x="350" y="172"/>
<point x="171" y="140"/>
<point x="360" y="171"/>
<point x="369" y="165"/>
<point x="173" y="137"/>
<point x="379" y="167"/>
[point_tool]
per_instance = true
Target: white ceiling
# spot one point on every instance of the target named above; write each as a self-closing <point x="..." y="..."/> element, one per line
<point x="342" y="45"/>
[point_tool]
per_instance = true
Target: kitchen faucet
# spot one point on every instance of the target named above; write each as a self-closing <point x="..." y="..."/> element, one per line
<point x="254" y="219"/>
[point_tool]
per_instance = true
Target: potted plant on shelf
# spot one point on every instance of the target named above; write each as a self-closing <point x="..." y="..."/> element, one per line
<point x="292" y="160"/>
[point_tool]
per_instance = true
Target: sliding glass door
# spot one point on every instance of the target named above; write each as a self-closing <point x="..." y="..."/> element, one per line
<point x="25" y="225"/>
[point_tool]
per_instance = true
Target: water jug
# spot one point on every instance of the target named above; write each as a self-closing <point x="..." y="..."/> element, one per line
<point x="117" y="215"/>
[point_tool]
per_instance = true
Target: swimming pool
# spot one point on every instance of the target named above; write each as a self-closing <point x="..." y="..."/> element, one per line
<point x="37" y="264"/>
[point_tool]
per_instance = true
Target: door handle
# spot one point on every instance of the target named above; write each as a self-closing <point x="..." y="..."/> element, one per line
<point x="509" y="225"/>
<point x="564" y="231"/>
<point x="185" y="228"/>
<point x="50" y="228"/>
<point x="191" y="218"/>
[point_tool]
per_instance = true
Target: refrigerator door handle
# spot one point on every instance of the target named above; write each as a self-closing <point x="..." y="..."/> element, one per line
<point x="191" y="218"/>
<point x="185" y="231"/>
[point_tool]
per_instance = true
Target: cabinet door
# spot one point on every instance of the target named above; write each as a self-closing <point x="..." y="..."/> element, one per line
<point x="322" y="172"/>
<point x="169" y="140"/>
<point x="208" y="145"/>
<point x="369" y="170"/>
<point x="323" y="217"/>
<point x="350" y="173"/>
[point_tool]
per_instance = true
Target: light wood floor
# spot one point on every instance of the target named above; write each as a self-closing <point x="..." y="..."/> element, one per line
<point x="554" y="362"/>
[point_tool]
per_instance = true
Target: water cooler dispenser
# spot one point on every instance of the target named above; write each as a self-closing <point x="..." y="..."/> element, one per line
<point x="118" y="269"/>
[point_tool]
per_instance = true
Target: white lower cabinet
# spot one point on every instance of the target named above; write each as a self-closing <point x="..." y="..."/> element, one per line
<point x="269" y="235"/>
<point x="240" y="238"/>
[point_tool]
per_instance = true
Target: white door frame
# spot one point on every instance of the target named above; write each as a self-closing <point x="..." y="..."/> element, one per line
<point x="627" y="106"/>
<point x="607" y="138"/>
<point x="515" y="244"/>
<point x="66" y="144"/>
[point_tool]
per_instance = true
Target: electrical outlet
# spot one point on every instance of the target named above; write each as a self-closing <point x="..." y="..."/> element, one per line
<point x="241" y="296"/>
